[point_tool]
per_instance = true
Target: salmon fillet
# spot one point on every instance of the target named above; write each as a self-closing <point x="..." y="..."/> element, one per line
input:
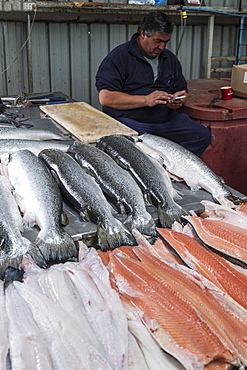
<point x="228" y="239"/>
<point x="185" y="334"/>
<point x="212" y="266"/>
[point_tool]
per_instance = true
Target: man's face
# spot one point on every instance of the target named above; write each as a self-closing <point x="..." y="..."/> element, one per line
<point x="152" y="46"/>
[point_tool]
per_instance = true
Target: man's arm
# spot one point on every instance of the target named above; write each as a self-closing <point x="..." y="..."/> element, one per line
<point x="120" y="100"/>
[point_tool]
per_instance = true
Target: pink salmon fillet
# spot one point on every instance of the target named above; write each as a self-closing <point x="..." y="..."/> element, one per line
<point x="228" y="239"/>
<point x="188" y="336"/>
<point x="212" y="266"/>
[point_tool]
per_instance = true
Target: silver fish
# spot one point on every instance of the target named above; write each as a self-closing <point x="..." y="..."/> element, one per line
<point x="34" y="146"/>
<point x="151" y="177"/>
<point x="31" y="134"/>
<point x="184" y="164"/>
<point x="87" y="197"/>
<point x="40" y="201"/>
<point x="13" y="244"/>
<point x="116" y="183"/>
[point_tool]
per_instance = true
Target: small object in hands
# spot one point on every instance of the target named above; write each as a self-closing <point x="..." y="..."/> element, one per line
<point x="226" y="92"/>
<point x="179" y="97"/>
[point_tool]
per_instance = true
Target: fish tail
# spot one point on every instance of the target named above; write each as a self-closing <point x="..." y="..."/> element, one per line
<point x="113" y="236"/>
<point x="168" y="215"/>
<point x="34" y="252"/>
<point x="54" y="245"/>
<point x="13" y="259"/>
<point x="143" y="223"/>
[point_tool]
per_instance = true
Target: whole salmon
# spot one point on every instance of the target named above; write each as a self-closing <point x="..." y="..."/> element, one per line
<point x="40" y="201"/>
<point x="13" y="244"/>
<point x="31" y="134"/>
<point x="116" y="183"/>
<point x="87" y="197"/>
<point x="184" y="164"/>
<point x="150" y="176"/>
<point x="34" y="146"/>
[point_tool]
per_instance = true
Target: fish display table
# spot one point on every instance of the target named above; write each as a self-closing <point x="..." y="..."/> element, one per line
<point x="86" y="231"/>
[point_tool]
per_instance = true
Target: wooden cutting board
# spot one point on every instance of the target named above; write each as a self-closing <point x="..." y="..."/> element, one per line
<point x="85" y="122"/>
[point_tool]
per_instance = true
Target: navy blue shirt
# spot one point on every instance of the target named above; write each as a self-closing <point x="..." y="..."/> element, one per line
<point x="125" y="69"/>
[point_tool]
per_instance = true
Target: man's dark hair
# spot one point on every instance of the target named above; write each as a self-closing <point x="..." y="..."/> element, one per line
<point x="156" y="21"/>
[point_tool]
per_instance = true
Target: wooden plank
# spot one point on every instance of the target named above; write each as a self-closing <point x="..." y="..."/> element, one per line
<point x="85" y="122"/>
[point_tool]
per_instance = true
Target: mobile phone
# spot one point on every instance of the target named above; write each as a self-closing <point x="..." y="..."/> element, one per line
<point x="179" y="97"/>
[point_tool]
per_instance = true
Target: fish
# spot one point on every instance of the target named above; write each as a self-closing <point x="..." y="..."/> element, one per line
<point x="212" y="266"/>
<point x="158" y="248"/>
<point x="13" y="244"/>
<point x="117" y="184"/>
<point x="69" y="347"/>
<point x="40" y="202"/>
<point x="32" y="134"/>
<point x="222" y="237"/>
<point x="35" y="146"/>
<point x="218" y="309"/>
<point x="186" y="165"/>
<point x="242" y="207"/>
<point x="166" y="312"/>
<point x="155" y="357"/>
<point x="149" y="175"/>
<point x="87" y="197"/>
<point x="28" y="348"/>
<point x="4" y="326"/>
<point x="103" y="307"/>
<point x="226" y="214"/>
<point x="56" y="285"/>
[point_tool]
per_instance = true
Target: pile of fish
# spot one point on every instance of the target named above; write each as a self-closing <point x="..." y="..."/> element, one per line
<point x="173" y="304"/>
<point x="191" y="299"/>
<point x="150" y="297"/>
<point x="69" y="317"/>
<point x="103" y="182"/>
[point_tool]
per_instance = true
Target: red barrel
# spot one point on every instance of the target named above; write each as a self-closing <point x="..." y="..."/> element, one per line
<point x="227" y="121"/>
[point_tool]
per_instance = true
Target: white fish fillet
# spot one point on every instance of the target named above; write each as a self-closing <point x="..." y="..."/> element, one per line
<point x="103" y="307"/>
<point x="69" y="349"/>
<point x="56" y="285"/>
<point x="28" y="349"/>
<point x="4" y="338"/>
<point x="136" y="357"/>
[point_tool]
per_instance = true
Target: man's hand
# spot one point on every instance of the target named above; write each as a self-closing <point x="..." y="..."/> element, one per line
<point x="175" y="104"/>
<point x="158" y="97"/>
<point x="120" y="100"/>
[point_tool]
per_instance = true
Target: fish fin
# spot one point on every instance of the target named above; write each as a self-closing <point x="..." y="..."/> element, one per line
<point x="167" y="216"/>
<point x="144" y="224"/>
<point x="12" y="274"/>
<point x="14" y="260"/>
<point x="54" y="245"/>
<point x="113" y="236"/>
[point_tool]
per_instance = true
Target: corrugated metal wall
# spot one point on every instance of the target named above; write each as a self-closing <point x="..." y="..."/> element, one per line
<point x="65" y="56"/>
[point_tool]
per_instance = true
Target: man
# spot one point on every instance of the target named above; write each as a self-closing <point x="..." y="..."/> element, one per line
<point x="138" y="81"/>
